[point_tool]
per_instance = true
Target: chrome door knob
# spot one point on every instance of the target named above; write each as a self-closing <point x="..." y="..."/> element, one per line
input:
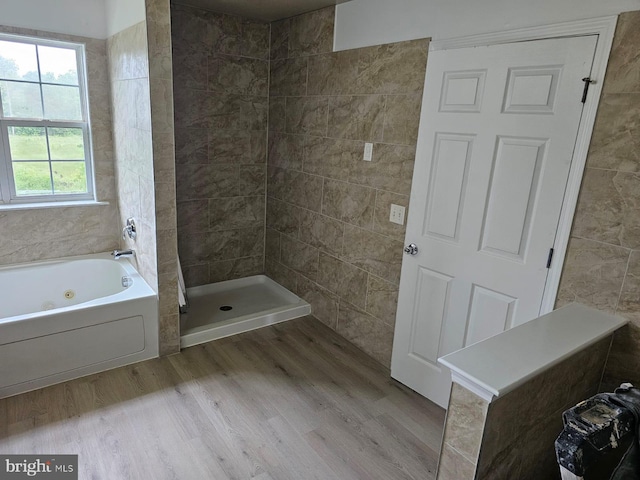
<point x="411" y="249"/>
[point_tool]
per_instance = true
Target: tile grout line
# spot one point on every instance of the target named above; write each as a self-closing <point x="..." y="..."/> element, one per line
<point x="624" y="278"/>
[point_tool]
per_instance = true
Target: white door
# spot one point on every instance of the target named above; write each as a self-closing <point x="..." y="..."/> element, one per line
<point x="497" y="134"/>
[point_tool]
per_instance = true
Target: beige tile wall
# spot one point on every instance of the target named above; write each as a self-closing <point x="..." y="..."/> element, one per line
<point x="163" y="145"/>
<point x="221" y="75"/>
<point x="603" y="259"/>
<point x="129" y="73"/>
<point x="328" y="234"/>
<point x="513" y="436"/>
<point x="31" y="235"/>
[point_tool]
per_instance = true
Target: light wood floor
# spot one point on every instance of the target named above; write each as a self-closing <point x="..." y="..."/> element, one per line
<point x="292" y="401"/>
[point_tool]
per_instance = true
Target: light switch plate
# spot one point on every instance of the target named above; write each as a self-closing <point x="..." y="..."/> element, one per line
<point x="368" y="152"/>
<point x="397" y="214"/>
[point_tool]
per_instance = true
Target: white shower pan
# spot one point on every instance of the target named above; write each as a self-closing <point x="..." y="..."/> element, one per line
<point x="227" y="308"/>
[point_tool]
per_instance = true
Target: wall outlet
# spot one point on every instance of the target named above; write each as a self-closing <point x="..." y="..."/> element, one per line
<point x="397" y="214"/>
<point x="368" y="152"/>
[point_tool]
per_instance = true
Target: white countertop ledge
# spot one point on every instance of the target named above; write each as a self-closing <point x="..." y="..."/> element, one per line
<point x="499" y="364"/>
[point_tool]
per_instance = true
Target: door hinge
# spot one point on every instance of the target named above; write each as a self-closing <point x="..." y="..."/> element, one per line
<point x="587" y="81"/>
<point x="549" y="258"/>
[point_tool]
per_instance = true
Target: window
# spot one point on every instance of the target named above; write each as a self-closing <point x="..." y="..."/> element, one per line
<point x="45" y="141"/>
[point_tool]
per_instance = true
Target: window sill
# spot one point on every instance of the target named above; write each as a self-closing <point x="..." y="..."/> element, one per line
<point x="44" y="205"/>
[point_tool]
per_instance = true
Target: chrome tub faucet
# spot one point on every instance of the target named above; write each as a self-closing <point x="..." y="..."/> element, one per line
<point x="118" y="254"/>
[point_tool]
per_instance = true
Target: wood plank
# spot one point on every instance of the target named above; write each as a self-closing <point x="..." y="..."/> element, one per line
<point x="291" y="401"/>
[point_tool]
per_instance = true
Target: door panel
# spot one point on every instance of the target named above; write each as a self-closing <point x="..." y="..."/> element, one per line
<point x="513" y="191"/>
<point x="497" y="133"/>
<point x="448" y="184"/>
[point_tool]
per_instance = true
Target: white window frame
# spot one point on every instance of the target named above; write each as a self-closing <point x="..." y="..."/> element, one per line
<point x="8" y="195"/>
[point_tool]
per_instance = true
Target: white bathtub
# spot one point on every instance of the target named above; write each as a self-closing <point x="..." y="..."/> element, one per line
<point x="66" y="318"/>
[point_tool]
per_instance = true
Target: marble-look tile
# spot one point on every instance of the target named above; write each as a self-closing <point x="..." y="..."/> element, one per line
<point x="169" y="334"/>
<point x="189" y="67"/>
<point x="258" y="152"/>
<point x="331" y="158"/>
<point x="505" y="464"/>
<point x="191" y="108"/>
<point x="252" y="180"/>
<point x="236" y="212"/>
<point x="402" y="118"/>
<point x="303" y="190"/>
<point x="235" y="268"/>
<point x="254" y="41"/>
<point x="277" y="114"/>
<point x="191" y="146"/>
<point x="593" y="274"/>
<point x="226" y="32"/>
<point x="280" y="39"/>
<point x="382" y="299"/>
<point x="324" y="304"/>
<point x="159" y="39"/>
<point x="193" y="248"/>
<point x="165" y="205"/>
<point x="190" y="26"/>
<point x="322" y="232"/>
<point x="629" y="302"/>
<point x="288" y="77"/>
<point x="195" y="275"/>
<point x="229" y="146"/>
<point x="167" y="293"/>
<point x="381" y="223"/>
<point x="334" y="73"/>
<point x="299" y="257"/>
<point x="243" y="242"/>
<point x="609" y="208"/>
<point x="312" y="33"/>
<point x="453" y="466"/>
<point x="394" y="68"/>
<point x="615" y="144"/>
<point x="282" y="275"/>
<point x="391" y="168"/>
<point x="372" y="252"/>
<point x="357" y="117"/>
<point x="228" y="74"/>
<point x="537" y="457"/>
<point x="128" y="53"/>
<point x="465" y="422"/>
<point x="307" y="115"/>
<point x="286" y="151"/>
<point x="272" y="245"/>
<point x="206" y="181"/>
<point x="343" y="279"/>
<point x="368" y="333"/>
<point x="350" y="203"/>
<point x="623" y="363"/>
<point x="283" y="217"/>
<point x="236" y="112"/>
<point x="277" y="183"/>
<point x="623" y="70"/>
<point x="167" y="249"/>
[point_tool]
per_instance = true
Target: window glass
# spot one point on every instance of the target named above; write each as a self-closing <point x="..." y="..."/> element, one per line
<point x="21" y="100"/>
<point x="58" y="65"/>
<point x="44" y="132"/>
<point x="61" y="103"/>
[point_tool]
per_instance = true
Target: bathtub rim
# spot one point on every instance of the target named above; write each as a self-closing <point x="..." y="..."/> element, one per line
<point x="139" y="290"/>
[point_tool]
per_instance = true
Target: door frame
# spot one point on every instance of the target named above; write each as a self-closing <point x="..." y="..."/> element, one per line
<point x="605" y="28"/>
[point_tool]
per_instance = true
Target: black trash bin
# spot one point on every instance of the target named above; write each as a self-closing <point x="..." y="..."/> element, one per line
<point x="600" y="440"/>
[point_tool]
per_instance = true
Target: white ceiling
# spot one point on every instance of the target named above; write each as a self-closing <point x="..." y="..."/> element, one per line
<point x="266" y="10"/>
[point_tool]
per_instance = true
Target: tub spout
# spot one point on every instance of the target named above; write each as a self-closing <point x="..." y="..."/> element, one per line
<point x="118" y="254"/>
